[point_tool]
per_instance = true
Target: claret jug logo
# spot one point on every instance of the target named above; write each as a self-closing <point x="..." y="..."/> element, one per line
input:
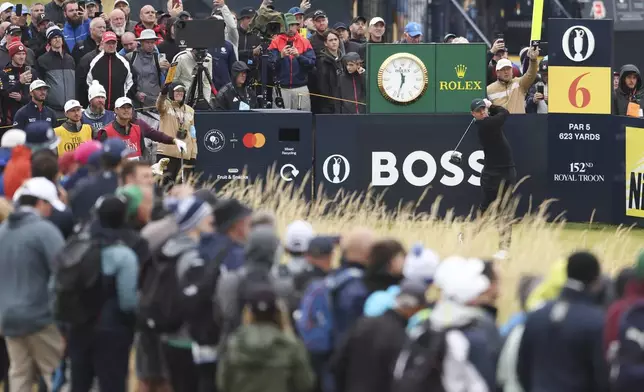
<point x="460" y="84"/>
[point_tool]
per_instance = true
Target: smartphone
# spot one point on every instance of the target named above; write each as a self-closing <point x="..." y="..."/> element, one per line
<point x="19" y="9"/>
<point x="540" y="88"/>
<point x="27" y="68"/>
<point x="81" y="4"/>
<point x="162" y="57"/>
<point x="97" y="14"/>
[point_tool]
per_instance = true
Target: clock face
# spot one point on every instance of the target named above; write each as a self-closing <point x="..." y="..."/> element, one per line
<point x="402" y="78"/>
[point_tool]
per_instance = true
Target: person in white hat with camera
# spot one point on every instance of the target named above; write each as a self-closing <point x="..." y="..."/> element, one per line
<point x="73" y="132"/>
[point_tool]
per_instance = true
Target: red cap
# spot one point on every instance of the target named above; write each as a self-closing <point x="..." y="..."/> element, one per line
<point x="65" y="162"/>
<point x="82" y="152"/>
<point x="16" y="47"/>
<point x="109" y="36"/>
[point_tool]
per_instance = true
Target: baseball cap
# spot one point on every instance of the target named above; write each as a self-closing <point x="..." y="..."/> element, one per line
<point x="88" y="2"/>
<point x="448" y="36"/>
<point x="83" y="152"/>
<point x="339" y="26"/>
<point x="503" y="63"/>
<point x="413" y="29"/>
<point x="296" y="11"/>
<point x="261" y="299"/>
<point x="109" y="36"/>
<point x="13" y="137"/>
<point x="319" y="14"/>
<point x="5" y="6"/>
<point x="375" y="20"/>
<point x="122" y="102"/>
<point x="359" y="18"/>
<point x="40" y="135"/>
<point x="36" y="84"/>
<point x="40" y="188"/>
<point x="14" y="29"/>
<point x="476" y="104"/>
<point x="322" y="245"/>
<point x="247" y="12"/>
<point x="298" y="235"/>
<point x="71" y="104"/>
<point x="43" y="18"/>
<point x="461" y="279"/>
<point x="115" y="149"/>
<point x="122" y="1"/>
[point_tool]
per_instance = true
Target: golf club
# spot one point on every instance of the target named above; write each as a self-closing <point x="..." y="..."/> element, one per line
<point x="456" y="156"/>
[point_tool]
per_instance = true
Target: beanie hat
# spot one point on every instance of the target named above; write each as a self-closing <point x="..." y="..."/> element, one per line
<point x="583" y="267"/>
<point x="53" y="31"/>
<point x="15" y="48"/>
<point x="262" y="246"/>
<point x="83" y="152"/>
<point x="96" y="90"/>
<point x="190" y="212"/>
<point x="420" y="264"/>
<point x="133" y="196"/>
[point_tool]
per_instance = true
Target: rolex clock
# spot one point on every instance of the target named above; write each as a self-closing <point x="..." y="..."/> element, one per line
<point x="402" y="78"/>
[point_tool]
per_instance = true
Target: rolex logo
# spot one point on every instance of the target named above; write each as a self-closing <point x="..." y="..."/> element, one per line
<point x="461" y="69"/>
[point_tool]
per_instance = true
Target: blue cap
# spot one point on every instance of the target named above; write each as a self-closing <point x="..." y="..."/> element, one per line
<point x="339" y="26"/>
<point x="322" y="245"/>
<point x="413" y="29"/>
<point x="94" y="160"/>
<point x="40" y="135"/>
<point x="115" y="148"/>
<point x="296" y="11"/>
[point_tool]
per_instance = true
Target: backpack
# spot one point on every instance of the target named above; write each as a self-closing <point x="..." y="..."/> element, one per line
<point x="419" y="367"/>
<point x="627" y="365"/>
<point x="167" y="302"/>
<point x="78" y="285"/>
<point x="315" y="317"/>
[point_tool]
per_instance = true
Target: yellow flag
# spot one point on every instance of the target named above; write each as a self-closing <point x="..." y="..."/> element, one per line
<point x="170" y="76"/>
<point x="537" y="18"/>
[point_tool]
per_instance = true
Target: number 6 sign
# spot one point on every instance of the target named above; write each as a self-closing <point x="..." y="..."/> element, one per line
<point x="579" y="90"/>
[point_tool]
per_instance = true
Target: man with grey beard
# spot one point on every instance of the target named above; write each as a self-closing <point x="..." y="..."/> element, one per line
<point x="118" y="22"/>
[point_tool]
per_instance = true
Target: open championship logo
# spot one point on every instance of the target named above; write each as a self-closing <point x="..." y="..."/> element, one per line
<point x="336" y="162"/>
<point x="583" y="41"/>
<point x="214" y="140"/>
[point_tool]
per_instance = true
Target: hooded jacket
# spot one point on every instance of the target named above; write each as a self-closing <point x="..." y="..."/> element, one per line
<point x="473" y="346"/>
<point x="329" y="71"/>
<point x="175" y="116"/>
<point x="291" y="71"/>
<point x="623" y="95"/>
<point x="28" y="245"/>
<point x="351" y="87"/>
<point x="511" y="95"/>
<point x="112" y="71"/>
<point x="561" y="349"/>
<point x="230" y="96"/>
<point x="262" y="358"/>
<point x="59" y="72"/>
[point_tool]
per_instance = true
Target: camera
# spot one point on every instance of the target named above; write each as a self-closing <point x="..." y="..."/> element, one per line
<point x="200" y="34"/>
<point x="456" y="158"/>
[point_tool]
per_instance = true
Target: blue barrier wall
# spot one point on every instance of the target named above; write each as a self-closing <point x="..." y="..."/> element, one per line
<point x="409" y="155"/>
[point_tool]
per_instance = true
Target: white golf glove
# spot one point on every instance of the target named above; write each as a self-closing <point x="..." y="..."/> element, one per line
<point x="488" y="103"/>
<point x="181" y="145"/>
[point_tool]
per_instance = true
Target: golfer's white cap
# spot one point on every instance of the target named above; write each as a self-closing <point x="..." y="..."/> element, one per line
<point x="375" y="20"/>
<point x="71" y="104"/>
<point x="122" y="1"/>
<point x="122" y="102"/>
<point x="503" y="63"/>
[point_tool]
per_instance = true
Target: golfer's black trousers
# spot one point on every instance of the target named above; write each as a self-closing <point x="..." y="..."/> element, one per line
<point x="492" y="180"/>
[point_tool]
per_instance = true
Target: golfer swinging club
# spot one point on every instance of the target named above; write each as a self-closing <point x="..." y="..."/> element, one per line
<point x="498" y="169"/>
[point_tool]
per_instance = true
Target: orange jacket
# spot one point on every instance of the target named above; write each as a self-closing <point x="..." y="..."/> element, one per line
<point x="18" y="170"/>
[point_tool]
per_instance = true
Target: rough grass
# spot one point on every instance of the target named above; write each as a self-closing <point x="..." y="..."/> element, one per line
<point x="538" y="239"/>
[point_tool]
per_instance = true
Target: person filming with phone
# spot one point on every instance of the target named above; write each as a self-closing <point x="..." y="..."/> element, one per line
<point x="509" y="91"/>
<point x="15" y="78"/>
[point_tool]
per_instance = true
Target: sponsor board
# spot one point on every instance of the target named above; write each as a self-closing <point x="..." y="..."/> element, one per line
<point x="634" y="165"/>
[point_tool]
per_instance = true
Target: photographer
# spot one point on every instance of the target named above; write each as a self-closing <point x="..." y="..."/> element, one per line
<point x="177" y="120"/>
<point x="186" y="64"/>
<point x="293" y="58"/>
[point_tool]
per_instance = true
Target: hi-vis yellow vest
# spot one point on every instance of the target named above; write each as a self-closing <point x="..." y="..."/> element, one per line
<point x="69" y="141"/>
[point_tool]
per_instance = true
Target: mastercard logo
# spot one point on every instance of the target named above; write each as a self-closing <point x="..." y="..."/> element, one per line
<point x="254" y="140"/>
